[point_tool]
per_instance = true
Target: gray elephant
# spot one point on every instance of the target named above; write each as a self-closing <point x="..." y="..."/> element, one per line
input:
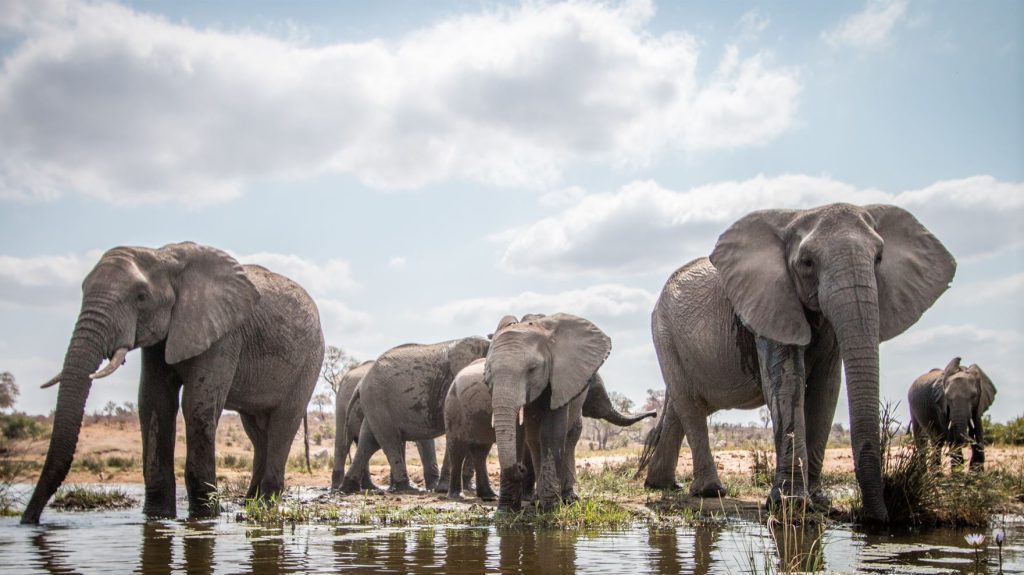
<point x="946" y="408"/>
<point x="402" y="397"/>
<point x="784" y="298"/>
<point x="470" y="435"/>
<point x="223" y="335"/>
<point x="542" y="366"/>
<point x="348" y="419"/>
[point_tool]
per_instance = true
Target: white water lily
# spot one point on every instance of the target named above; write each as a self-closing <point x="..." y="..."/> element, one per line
<point x="974" y="539"/>
<point x="1000" y="536"/>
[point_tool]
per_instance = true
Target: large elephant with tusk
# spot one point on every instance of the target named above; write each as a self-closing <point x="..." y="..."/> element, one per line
<point x="213" y="332"/>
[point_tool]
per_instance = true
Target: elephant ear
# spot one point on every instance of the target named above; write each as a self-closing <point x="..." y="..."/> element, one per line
<point x="751" y="260"/>
<point x="502" y="324"/>
<point x="915" y="269"/>
<point x="986" y="387"/>
<point x="951" y="368"/>
<point x="212" y="297"/>
<point x="465" y="351"/>
<point x="578" y="348"/>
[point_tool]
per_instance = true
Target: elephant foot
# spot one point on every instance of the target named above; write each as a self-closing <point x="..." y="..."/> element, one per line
<point x="714" y="489"/>
<point x="453" y="496"/>
<point x="487" y="495"/>
<point x="349" y="486"/>
<point x="674" y="486"/>
<point x="570" y="497"/>
<point x="404" y="488"/>
<point x="819" y="500"/>
<point x="796" y="499"/>
<point x="442" y="486"/>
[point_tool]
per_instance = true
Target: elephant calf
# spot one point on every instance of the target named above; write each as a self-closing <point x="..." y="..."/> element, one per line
<point x="469" y="433"/>
<point x="946" y="407"/>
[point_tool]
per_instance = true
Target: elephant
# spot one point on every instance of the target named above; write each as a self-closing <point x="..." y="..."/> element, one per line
<point x="402" y="397"/>
<point x="221" y="334"/>
<point x="946" y="407"/>
<point x="785" y="296"/>
<point x="467" y="421"/>
<point x="542" y="366"/>
<point x="348" y="419"/>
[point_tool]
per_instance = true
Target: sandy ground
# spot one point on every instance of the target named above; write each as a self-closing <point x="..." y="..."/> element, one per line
<point x="103" y="440"/>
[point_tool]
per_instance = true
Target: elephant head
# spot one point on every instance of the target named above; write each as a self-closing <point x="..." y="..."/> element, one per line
<point x="465" y="351"/>
<point x="558" y="354"/>
<point x="870" y="271"/>
<point x="183" y="296"/>
<point x="962" y="395"/>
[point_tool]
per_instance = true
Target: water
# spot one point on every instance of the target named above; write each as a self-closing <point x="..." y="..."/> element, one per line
<point x="124" y="542"/>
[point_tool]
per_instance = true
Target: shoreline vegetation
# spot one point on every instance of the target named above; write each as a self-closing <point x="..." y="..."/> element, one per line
<point x="110" y="453"/>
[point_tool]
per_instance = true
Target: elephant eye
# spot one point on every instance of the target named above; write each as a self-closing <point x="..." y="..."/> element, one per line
<point x="806" y="262"/>
<point x="142" y="297"/>
<point x="878" y="258"/>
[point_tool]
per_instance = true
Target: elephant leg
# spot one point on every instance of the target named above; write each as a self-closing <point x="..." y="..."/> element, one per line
<point x="394" y="448"/>
<point x="428" y="459"/>
<point x="458" y="451"/>
<point x="202" y="402"/>
<point x="365" y="448"/>
<point x="256" y="428"/>
<point x="444" y="480"/>
<point x="705" y="473"/>
<point x="483" y="482"/>
<point x="158" y="413"/>
<point x="282" y="425"/>
<point x="552" y="433"/>
<point x="568" y="470"/>
<point x="341" y="451"/>
<point x="467" y="474"/>
<point x="661" y="472"/>
<point x="822" y="393"/>
<point x="783" y="381"/>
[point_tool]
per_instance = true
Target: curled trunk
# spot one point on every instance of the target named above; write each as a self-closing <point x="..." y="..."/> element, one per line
<point x="598" y="405"/>
<point x="84" y="355"/>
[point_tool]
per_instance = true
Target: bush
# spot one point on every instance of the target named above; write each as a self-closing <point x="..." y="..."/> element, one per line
<point x="20" y="426"/>
<point x="1009" y="433"/>
<point x="125" y="463"/>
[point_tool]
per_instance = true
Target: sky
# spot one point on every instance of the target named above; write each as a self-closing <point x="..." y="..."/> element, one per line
<point x="423" y="169"/>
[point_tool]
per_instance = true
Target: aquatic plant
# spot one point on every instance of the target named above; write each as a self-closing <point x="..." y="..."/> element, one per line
<point x="90" y="498"/>
<point x="1000" y="536"/>
<point x="975" y="540"/>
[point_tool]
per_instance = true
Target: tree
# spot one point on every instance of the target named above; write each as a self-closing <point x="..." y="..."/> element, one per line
<point x="655" y="400"/>
<point x="9" y="391"/>
<point x="321" y="400"/>
<point x="336" y="364"/>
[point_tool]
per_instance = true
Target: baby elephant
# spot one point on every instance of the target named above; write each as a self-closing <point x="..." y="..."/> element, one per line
<point x="946" y="406"/>
<point x="469" y="433"/>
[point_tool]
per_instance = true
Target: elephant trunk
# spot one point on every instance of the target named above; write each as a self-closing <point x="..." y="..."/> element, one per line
<point x="85" y="352"/>
<point x="960" y="426"/>
<point x="598" y="405"/>
<point x="851" y="306"/>
<point x="505" y="417"/>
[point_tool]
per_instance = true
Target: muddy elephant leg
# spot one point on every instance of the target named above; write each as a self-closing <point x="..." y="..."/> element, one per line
<point x="201" y="406"/>
<point x="158" y="414"/>
<point x="282" y="425"/>
<point x="977" y="446"/>
<point x="456" y="460"/>
<point x="706" y="482"/>
<point x="483" y="482"/>
<point x="568" y="470"/>
<point x="553" y="430"/>
<point x="256" y="428"/>
<point x="428" y="459"/>
<point x="783" y="381"/>
<point x="365" y="448"/>
<point x="823" y="385"/>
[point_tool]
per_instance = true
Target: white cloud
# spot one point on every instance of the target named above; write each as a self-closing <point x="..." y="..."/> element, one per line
<point x="562" y="197"/>
<point x="607" y="302"/>
<point x="999" y="340"/>
<point x="644" y="227"/>
<point x="870" y="28"/>
<point x="44" y="281"/>
<point x="122" y="105"/>
<point x="397" y="262"/>
<point x="329" y="277"/>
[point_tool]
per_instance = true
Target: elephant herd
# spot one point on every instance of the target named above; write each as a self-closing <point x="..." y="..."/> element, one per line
<point x="786" y="300"/>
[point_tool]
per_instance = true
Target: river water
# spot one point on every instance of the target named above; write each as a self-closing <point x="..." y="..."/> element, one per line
<point x="125" y="542"/>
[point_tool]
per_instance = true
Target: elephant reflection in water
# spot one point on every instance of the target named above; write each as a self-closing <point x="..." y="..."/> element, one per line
<point x="529" y="552"/>
<point x="157" y="553"/>
<point x="52" y="557"/>
<point x="466" y="550"/>
<point x="669" y="556"/>
<point x="799" y="546"/>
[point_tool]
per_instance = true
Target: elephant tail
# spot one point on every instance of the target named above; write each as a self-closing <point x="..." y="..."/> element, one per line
<point x="653" y="437"/>
<point x="305" y="440"/>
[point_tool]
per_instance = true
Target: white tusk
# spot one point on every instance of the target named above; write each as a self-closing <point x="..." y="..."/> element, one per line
<point x="115" y="362"/>
<point x="53" y="381"/>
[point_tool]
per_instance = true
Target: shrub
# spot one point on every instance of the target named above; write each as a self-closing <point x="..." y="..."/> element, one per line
<point x="20" y="426"/>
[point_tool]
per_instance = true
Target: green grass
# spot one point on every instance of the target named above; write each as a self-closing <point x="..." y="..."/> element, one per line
<point x="87" y="498"/>
<point x="277" y="511"/>
<point x="595" y="512"/>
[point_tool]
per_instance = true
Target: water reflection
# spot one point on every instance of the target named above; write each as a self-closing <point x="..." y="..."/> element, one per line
<point x="99" y="542"/>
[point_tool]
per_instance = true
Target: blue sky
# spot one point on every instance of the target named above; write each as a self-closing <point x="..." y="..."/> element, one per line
<point x="425" y="168"/>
